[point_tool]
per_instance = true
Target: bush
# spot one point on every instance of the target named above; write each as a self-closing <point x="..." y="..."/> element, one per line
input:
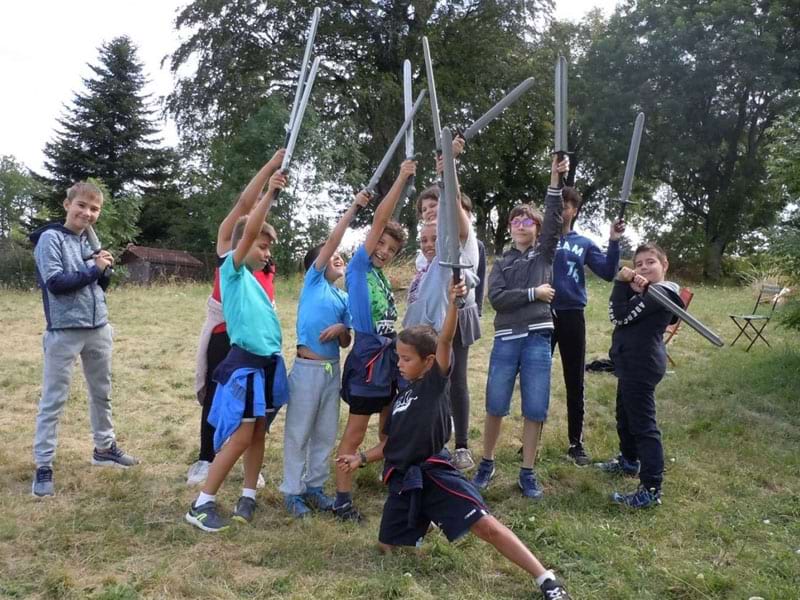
<point x="17" y="267"/>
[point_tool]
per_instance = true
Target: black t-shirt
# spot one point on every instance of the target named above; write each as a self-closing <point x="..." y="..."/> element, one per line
<point x="419" y="421"/>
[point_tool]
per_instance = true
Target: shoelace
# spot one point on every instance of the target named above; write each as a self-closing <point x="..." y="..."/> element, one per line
<point x="555" y="594"/>
<point x="44" y="475"/>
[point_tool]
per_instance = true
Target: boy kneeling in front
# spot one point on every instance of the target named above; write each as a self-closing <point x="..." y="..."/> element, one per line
<point x="423" y="485"/>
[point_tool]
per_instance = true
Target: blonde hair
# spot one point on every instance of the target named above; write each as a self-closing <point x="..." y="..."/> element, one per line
<point x="84" y="188"/>
<point x="238" y="231"/>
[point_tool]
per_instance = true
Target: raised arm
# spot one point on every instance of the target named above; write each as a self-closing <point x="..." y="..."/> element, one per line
<point x="444" y="344"/>
<point x="463" y="216"/>
<point x="385" y="209"/>
<point x="246" y="201"/>
<point x="335" y="238"/>
<point x="552" y="225"/>
<point x="256" y="218"/>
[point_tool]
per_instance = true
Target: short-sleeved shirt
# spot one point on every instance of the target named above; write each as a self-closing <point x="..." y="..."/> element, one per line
<point x="266" y="278"/>
<point x="248" y="311"/>
<point x="419" y="421"/>
<point x="321" y="305"/>
<point x="371" y="301"/>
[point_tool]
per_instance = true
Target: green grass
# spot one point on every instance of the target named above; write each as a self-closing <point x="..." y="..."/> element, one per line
<point x="729" y="526"/>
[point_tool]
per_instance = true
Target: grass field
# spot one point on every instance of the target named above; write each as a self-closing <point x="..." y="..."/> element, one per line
<point x="729" y="526"/>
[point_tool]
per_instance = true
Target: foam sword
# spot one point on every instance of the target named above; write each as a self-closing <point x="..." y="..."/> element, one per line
<point x="95" y="245"/>
<point x="408" y="105"/>
<point x="301" y="80"/>
<point x="630" y="166"/>
<point x="655" y="292"/>
<point x="449" y="214"/>
<point x="560" y="145"/>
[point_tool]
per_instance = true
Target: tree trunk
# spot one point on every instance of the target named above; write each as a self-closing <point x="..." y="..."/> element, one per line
<point x="712" y="261"/>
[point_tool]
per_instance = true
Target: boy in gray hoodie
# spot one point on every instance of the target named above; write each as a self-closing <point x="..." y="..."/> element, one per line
<point x="73" y="279"/>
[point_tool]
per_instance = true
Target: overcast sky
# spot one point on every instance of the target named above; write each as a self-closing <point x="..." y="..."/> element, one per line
<point x="45" y="46"/>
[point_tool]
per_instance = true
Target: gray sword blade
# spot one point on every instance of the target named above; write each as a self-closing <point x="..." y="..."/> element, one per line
<point x="301" y="80"/>
<point x="287" y="158"/>
<point x="495" y="111"/>
<point x="93" y="240"/>
<point x="408" y="104"/>
<point x="630" y="166"/>
<point x="373" y="182"/>
<point x="659" y="296"/>
<point x="437" y="125"/>
<point x="447" y="215"/>
<point x="561" y="105"/>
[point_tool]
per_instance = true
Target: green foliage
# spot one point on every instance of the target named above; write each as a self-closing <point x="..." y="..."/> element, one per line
<point x="109" y="132"/>
<point x="712" y="78"/>
<point x="17" y="191"/>
<point x="117" y="223"/>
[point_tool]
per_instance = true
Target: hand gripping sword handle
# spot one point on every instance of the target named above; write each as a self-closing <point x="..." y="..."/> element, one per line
<point x="460" y="300"/>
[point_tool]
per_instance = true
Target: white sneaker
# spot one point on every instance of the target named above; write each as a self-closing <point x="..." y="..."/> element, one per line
<point x="261" y="483"/>
<point x="198" y="472"/>
<point x="462" y="459"/>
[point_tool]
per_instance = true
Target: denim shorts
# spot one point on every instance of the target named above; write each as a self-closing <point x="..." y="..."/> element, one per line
<point x="530" y="357"/>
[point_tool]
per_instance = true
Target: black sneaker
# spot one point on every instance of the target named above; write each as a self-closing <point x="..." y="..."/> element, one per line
<point x="43" y="482"/>
<point x="114" y="456"/>
<point x="552" y="589"/>
<point x="619" y="466"/>
<point x="348" y="512"/>
<point x="206" y="517"/>
<point x="579" y="455"/>
<point x="245" y="509"/>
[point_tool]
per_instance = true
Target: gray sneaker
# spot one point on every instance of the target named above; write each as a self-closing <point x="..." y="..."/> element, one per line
<point x="43" y="482"/>
<point x="245" y="509"/>
<point x="462" y="459"/>
<point x="206" y="517"/>
<point x="113" y="456"/>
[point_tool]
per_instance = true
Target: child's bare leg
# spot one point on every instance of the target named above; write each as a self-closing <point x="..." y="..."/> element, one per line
<point x="227" y="457"/>
<point x="254" y="455"/>
<point x="531" y="433"/>
<point x="353" y="435"/>
<point x="508" y="544"/>
<point x="491" y="433"/>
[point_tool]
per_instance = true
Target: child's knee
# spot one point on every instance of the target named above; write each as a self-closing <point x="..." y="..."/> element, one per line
<point x="488" y="529"/>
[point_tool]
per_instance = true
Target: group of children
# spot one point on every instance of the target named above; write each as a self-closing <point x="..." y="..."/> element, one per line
<point x="414" y="379"/>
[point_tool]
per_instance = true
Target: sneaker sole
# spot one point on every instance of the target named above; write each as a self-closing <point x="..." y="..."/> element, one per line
<point x="42" y="496"/>
<point x="241" y="519"/>
<point x="199" y="524"/>
<point x="109" y="463"/>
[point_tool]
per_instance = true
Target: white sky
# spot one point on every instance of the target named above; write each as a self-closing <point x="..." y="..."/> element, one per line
<point x="45" y="46"/>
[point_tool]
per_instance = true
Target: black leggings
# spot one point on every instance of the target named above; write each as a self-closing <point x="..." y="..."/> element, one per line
<point x="639" y="436"/>
<point x="218" y="347"/>
<point x="459" y="392"/>
<point x="570" y="335"/>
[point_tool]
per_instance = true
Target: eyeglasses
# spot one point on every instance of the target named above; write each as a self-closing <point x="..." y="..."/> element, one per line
<point x="523" y="222"/>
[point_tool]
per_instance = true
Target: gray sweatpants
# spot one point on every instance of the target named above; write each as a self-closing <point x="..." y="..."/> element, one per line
<point x="312" y="421"/>
<point x="61" y="348"/>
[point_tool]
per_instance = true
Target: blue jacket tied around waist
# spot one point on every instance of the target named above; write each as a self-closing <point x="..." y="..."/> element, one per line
<point x="229" y="400"/>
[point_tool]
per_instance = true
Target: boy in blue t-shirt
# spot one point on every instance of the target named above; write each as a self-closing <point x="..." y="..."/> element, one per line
<point x="370" y="373"/>
<point x="312" y="415"/>
<point x="569" y="280"/>
<point x="251" y="380"/>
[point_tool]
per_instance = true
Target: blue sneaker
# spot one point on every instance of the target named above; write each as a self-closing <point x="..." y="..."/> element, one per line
<point x="295" y="505"/>
<point x="619" y="466"/>
<point x="528" y="484"/>
<point x="484" y="474"/>
<point x="43" y="482"/>
<point x="641" y="498"/>
<point x="245" y="510"/>
<point x="315" y="498"/>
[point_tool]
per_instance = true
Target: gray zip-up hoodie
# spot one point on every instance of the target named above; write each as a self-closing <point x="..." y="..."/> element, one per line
<point x="516" y="274"/>
<point x="73" y="288"/>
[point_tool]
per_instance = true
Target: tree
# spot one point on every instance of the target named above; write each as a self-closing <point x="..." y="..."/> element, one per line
<point x="246" y="52"/>
<point x="17" y="191"/>
<point x="109" y="131"/>
<point x="713" y="77"/>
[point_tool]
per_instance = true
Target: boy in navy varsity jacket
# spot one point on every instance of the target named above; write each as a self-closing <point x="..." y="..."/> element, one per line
<point x="73" y="280"/>
<point x="569" y="280"/>
<point x="424" y="486"/>
<point x="640" y="361"/>
<point x="520" y="292"/>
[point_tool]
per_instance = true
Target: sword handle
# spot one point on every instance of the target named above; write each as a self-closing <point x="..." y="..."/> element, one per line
<point x="562" y="179"/>
<point x="460" y="300"/>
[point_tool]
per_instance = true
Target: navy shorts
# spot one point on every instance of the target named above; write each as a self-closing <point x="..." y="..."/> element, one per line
<point x="249" y="411"/>
<point x="448" y="499"/>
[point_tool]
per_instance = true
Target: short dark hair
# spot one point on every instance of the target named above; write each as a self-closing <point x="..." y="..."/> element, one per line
<point x="431" y="192"/>
<point x="572" y="197"/>
<point x="394" y="230"/>
<point x="311" y="256"/>
<point x="238" y="231"/>
<point x="525" y="210"/>
<point x="420" y="337"/>
<point x="84" y="188"/>
<point x="651" y="247"/>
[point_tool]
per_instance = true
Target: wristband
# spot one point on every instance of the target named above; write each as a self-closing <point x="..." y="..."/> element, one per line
<point x="363" y="457"/>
